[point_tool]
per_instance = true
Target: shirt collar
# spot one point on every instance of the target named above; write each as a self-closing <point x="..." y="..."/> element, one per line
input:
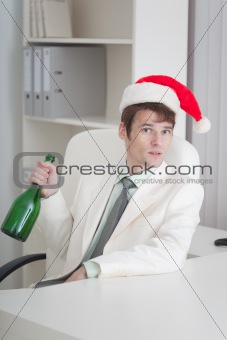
<point x="137" y="179"/>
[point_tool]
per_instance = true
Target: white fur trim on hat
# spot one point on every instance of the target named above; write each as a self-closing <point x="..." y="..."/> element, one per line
<point x="149" y="92"/>
<point x="169" y="91"/>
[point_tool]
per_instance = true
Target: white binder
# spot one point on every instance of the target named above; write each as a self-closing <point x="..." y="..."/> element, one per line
<point x="57" y="18"/>
<point x="37" y="82"/>
<point x="28" y="81"/>
<point x="33" y="21"/>
<point x="39" y="18"/>
<point x="74" y="81"/>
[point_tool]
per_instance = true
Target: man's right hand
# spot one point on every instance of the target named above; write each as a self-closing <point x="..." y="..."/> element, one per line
<point x="45" y="174"/>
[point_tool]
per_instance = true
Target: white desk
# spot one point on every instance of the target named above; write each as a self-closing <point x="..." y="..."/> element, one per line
<point x="188" y="306"/>
<point x="203" y="241"/>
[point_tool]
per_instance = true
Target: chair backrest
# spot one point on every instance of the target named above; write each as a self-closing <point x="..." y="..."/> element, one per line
<point x="100" y="147"/>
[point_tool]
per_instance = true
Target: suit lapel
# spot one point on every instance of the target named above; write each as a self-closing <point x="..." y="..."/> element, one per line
<point x="98" y="200"/>
<point x="144" y="197"/>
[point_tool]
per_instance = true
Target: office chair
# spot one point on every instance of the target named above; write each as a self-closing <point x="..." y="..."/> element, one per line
<point x="102" y="147"/>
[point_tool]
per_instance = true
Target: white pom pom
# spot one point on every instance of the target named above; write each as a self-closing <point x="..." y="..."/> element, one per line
<point x="202" y="126"/>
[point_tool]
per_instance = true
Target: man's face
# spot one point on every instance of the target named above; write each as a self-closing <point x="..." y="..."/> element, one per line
<point x="148" y="141"/>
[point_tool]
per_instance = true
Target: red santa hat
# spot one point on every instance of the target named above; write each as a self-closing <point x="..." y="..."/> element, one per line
<point x="169" y="91"/>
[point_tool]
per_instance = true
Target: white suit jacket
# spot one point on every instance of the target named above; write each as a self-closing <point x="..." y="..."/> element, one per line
<point x="153" y="235"/>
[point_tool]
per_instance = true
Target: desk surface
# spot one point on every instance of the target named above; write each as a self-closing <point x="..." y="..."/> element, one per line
<point x="188" y="305"/>
<point x="203" y="241"/>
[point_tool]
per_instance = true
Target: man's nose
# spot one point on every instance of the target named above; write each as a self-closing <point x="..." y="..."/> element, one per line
<point x="156" y="139"/>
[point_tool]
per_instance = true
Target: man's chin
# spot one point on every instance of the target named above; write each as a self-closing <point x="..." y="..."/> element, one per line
<point x="154" y="163"/>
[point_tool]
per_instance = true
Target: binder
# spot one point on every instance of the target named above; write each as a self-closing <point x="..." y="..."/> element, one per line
<point x="57" y="18"/>
<point x="74" y="81"/>
<point x="39" y="18"/>
<point x="37" y="82"/>
<point x="28" y="81"/>
<point x="33" y="22"/>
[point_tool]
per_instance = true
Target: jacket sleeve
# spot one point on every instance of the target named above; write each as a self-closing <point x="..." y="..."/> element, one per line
<point x="167" y="251"/>
<point x="56" y="222"/>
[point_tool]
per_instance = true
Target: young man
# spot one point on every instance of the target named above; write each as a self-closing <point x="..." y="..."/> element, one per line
<point x="153" y="232"/>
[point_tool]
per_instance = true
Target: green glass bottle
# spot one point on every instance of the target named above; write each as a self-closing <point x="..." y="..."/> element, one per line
<point x="24" y="211"/>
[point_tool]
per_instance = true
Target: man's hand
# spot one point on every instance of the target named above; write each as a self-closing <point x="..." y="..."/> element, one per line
<point x="43" y="174"/>
<point x="79" y="274"/>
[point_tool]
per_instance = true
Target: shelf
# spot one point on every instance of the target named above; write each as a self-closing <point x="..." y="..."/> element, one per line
<point x="100" y="122"/>
<point x="75" y="41"/>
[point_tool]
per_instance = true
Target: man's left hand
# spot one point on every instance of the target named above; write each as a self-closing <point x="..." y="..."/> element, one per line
<point x="79" y="274"/>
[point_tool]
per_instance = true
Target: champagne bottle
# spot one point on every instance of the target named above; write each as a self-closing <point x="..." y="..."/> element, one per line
<point x="24" y="211"/>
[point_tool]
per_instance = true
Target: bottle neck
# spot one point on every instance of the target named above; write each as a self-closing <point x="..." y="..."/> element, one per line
<point x="35" y="186"/>
<point x="35" y="190"/>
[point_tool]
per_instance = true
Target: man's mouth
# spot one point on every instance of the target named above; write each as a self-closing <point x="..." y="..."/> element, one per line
<point x="155" y="153"/>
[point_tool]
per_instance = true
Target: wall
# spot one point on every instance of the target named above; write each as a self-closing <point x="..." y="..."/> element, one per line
<point x="207" y="70"/>
<point x="11" y="122"/>
<point x="163" y="51"/>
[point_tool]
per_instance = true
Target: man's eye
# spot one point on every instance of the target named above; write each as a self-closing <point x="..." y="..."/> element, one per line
<point x="166" y="132"/>
<point x="146" y="130"/>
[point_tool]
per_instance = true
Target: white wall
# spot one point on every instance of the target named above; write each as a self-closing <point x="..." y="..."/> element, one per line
<point x="165" y="52"/>
<point x="11" y="122"/>
<point x="207" y="77"/>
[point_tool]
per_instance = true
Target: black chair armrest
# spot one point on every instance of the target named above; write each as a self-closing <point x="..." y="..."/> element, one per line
<point x="13" y="265"/>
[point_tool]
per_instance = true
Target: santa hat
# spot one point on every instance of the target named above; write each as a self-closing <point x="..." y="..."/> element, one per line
<point x="169" y="91"/>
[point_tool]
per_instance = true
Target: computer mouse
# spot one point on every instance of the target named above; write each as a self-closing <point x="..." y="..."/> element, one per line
<point x="222" y="242"/>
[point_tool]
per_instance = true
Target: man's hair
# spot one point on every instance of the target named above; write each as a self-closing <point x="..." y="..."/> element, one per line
<point x="163" y="114"/>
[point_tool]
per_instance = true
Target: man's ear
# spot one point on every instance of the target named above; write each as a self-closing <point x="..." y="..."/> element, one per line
<point x="122" y="131"/>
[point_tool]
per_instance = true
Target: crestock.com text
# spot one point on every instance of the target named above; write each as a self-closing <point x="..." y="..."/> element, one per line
<point x="109" y="169"/>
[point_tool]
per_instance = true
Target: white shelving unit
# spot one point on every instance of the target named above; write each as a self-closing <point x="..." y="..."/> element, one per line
<point x="94" y="22"/>
<point x="141" y="37"/>
<point x="93" y="122"/>
<point x="75" y="41"/>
